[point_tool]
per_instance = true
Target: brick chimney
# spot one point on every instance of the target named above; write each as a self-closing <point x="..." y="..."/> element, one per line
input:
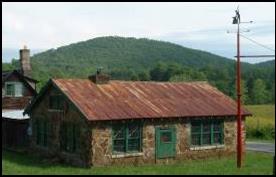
<point x="25" y="61"/>
<point x="99" y="77"/>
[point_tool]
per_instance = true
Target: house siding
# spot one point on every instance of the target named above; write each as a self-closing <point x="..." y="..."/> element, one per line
<point x="9" y="102"/>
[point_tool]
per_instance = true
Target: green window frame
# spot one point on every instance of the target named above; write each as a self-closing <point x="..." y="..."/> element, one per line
<point x="207" y="132"/>
<point x="56" y="102"/>
<point x="42" y="132"/>
<point x="127" y="138"/>
<point x="70" y="137"/>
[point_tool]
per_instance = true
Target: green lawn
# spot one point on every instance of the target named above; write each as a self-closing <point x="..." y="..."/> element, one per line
<point x="255" y="163"/>
<point x="262" y="124"/>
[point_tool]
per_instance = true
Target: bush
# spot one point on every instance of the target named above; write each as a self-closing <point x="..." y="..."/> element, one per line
<point x="266" y="132"/>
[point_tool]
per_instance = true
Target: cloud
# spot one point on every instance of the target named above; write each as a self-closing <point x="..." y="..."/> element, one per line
<point x="50" y="25"/>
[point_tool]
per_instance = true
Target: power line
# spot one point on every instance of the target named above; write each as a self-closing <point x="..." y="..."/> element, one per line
<point x="257" y="43"/>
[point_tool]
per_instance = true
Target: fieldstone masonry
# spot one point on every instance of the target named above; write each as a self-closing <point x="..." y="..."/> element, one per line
<point x="101" y="143"/>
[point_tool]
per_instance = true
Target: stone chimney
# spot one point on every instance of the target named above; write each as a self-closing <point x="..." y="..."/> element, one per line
<point x="99" y="77"/>
<point x="25" y="61"/>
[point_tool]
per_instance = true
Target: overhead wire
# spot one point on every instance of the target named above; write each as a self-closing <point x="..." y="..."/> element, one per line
<point x="264" y="46"/>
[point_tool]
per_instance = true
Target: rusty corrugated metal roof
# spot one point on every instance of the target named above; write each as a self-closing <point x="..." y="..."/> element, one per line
<point x="131" y="100"/>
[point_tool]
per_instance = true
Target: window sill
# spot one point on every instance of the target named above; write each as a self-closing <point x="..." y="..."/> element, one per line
<point x="121" y="155"/>
<point x="207" y="147"/>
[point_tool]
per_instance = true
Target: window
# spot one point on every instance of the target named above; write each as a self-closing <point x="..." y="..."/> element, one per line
<point x="42" y="132"/>
<point x="217" y="132"/>
<point x="56" y="102"/>
<point x="70" y="137"/>
<point x="196" y="133"/>
<point x="126" y="137"/>
<point x="14" y="89"/>
<point x="206" y="132"/>
<point x="166" y="137"/>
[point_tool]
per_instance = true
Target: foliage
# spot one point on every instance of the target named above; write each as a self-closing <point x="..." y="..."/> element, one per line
<point x="7" y="67"/>
<point x="262" y="124"/>
<point x="254" y="163"/>
<point x="144" y="59"/>
<point x="259" y="92"/>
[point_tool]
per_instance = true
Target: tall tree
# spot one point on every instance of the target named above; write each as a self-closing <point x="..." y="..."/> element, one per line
<point x="259" y="92"/>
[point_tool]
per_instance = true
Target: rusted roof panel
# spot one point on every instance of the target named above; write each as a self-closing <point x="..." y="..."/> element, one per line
<point x="130" y="100"/>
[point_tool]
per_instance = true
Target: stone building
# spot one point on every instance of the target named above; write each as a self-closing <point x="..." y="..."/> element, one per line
<point x="97" y="122"/>
<point x="18" y="88"/>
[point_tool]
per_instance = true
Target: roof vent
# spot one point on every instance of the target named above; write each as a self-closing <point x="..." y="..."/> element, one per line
<point x="99" y="77"/>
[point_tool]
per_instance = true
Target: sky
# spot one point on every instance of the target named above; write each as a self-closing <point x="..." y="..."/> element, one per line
<point x="199" y="25"/>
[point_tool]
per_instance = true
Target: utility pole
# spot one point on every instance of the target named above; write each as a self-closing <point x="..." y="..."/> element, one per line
<point x="236" y="20"/>
<point x="239" y="129"/>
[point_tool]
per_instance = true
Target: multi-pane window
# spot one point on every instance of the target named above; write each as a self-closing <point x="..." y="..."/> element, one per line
<point x="119" y="139"/>
<point x="42" y="132"/>
<point x="196" y="133"/>
<point x="70" y="137"/>
<point x="217" y="132"/>
<point x="56" y="102"/>
<point x="208" y="132"/>
<point x="14" y="89"/>
<point x="126" y="137"/>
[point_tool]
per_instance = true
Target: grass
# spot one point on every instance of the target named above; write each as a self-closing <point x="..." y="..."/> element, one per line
<point x="262" y="124"/>
<point x="255" y="163"/>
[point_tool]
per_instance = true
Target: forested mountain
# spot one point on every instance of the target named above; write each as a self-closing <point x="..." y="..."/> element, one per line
<point x="144" y="59"/>
<point x="270" y="64"/>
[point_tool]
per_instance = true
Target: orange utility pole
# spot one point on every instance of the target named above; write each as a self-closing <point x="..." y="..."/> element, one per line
<point x="239" y="133"/>
<point x="236" y="20"/>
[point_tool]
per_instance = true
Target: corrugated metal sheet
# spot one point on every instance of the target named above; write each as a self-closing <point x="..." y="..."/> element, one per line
<point x="131" y="100"/>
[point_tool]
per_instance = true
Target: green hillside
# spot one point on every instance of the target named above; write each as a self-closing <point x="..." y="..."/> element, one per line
<point x="118" y="52"/>
<point x="145" y="59"/>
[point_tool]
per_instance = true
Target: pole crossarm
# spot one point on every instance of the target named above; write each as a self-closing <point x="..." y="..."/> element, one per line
<point x="256" y="56"/>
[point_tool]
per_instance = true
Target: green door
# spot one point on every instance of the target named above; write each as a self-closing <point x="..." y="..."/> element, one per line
<point x="165" y="142"/>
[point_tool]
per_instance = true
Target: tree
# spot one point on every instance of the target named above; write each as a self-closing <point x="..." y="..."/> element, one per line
<point x="189" y="75"/>
<point x="172" y="69"/>
<point x="133" y="76"/>
<point x="144" y="76"/>
<point x="158" y="73"/>
<point x="244" y="92"/>
<point x="259" y="92"/>
<point x="180" y="78"/>
<point x="7" y="67"/>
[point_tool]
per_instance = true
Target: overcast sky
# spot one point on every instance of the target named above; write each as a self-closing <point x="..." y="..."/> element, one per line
<point x="203" y="26"/>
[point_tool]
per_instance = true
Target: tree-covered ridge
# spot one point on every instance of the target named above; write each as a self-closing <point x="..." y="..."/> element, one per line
<point x="145" y="59"/>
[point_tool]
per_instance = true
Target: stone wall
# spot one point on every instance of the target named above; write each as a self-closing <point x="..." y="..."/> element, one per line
<point x="102" y="143"/>
<point x="70" y="114"/>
